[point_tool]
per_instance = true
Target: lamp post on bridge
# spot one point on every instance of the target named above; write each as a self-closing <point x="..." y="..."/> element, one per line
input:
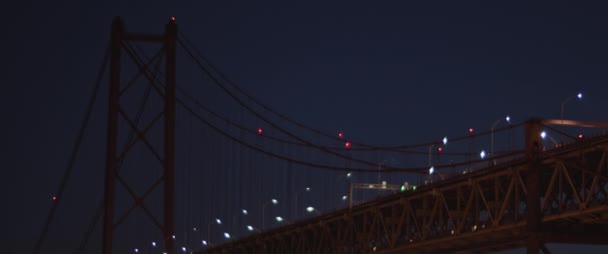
<point x="218" y="222"/>
<point x="349" y="177"/>
<point x="508" y="120"/>
<point x="272" y="201"/>
<point x="307" y="189"/>
<point x="579" y="96"/>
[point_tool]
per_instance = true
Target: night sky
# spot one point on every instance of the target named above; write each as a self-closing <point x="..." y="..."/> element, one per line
<point x="384" y="72"/>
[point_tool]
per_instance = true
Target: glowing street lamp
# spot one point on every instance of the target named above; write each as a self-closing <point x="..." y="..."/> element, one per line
<point x="279" y="219"/>
<point x="482" y="154"/>
<point x="311" y="209"/>
<point x="226" y="235"/>
<point x="545" y="135"/>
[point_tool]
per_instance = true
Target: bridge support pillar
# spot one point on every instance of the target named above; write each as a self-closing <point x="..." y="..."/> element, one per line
<point x="532" y="182"/>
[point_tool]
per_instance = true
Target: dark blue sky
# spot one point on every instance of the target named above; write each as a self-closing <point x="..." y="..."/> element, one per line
<point x="385" y="72"/>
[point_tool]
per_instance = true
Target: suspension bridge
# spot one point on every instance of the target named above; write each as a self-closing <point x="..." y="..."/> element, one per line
<point x="180" y="154"/>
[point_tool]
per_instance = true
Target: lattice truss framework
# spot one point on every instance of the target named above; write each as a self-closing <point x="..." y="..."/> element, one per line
<point x="483" y="211"/>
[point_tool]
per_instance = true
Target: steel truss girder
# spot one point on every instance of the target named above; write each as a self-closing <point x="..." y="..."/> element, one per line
<point x="480" y="212"/>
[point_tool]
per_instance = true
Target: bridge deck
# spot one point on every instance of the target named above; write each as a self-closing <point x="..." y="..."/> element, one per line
<point x="482" y="211"/>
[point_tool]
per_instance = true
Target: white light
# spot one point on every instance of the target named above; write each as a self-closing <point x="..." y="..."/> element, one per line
<point x="543" y="135"/>
<point x="307" y="188"/>
<point x="445" y="140"/>
<point x="431" y="170"/>
<point x="184" y="249"/>
<point x="136" y="250"/>
<point x="194" y="229"/>
<point x="173" y="236"/>
<point x="580" y="96"/>
<point x="310" y="209"/>
<point x="274" y="201"/>
<point x="508" y="118"/>
<point x="482" y="154"/>
<point x="226" y="235"/>
<point x="349" y="174"/>
<point x="204" y="242"/>
<point x="218" y="221"/>
<point x="344" y="197"/>
<point x="153" y="244"/>
<point x="279" y="219"/>
<point x="249" y="227"/>
<point x="244" y="212"/>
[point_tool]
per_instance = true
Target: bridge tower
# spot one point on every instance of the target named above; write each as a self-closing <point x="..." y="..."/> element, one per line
<point x="118" y="116"/>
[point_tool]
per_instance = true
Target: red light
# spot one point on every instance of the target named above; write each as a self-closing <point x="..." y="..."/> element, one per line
<point x="173" y="18"/>
<point x="440" y="149"/>
<point x="340" y="135"/>
<point x="54" y="198"/>
<point x="260" y="131"/>
<point x="347" y="144"/>
<point x="471" y="130"/>
<point x="580" y="136"/>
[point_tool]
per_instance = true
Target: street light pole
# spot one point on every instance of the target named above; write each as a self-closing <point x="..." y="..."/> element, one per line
<point x="307" y="189"/>
<point x="272" y="201"/>
<point x="217" y="221"/>
<point x="508" y="119"/>
<point x="579" y="96"/>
